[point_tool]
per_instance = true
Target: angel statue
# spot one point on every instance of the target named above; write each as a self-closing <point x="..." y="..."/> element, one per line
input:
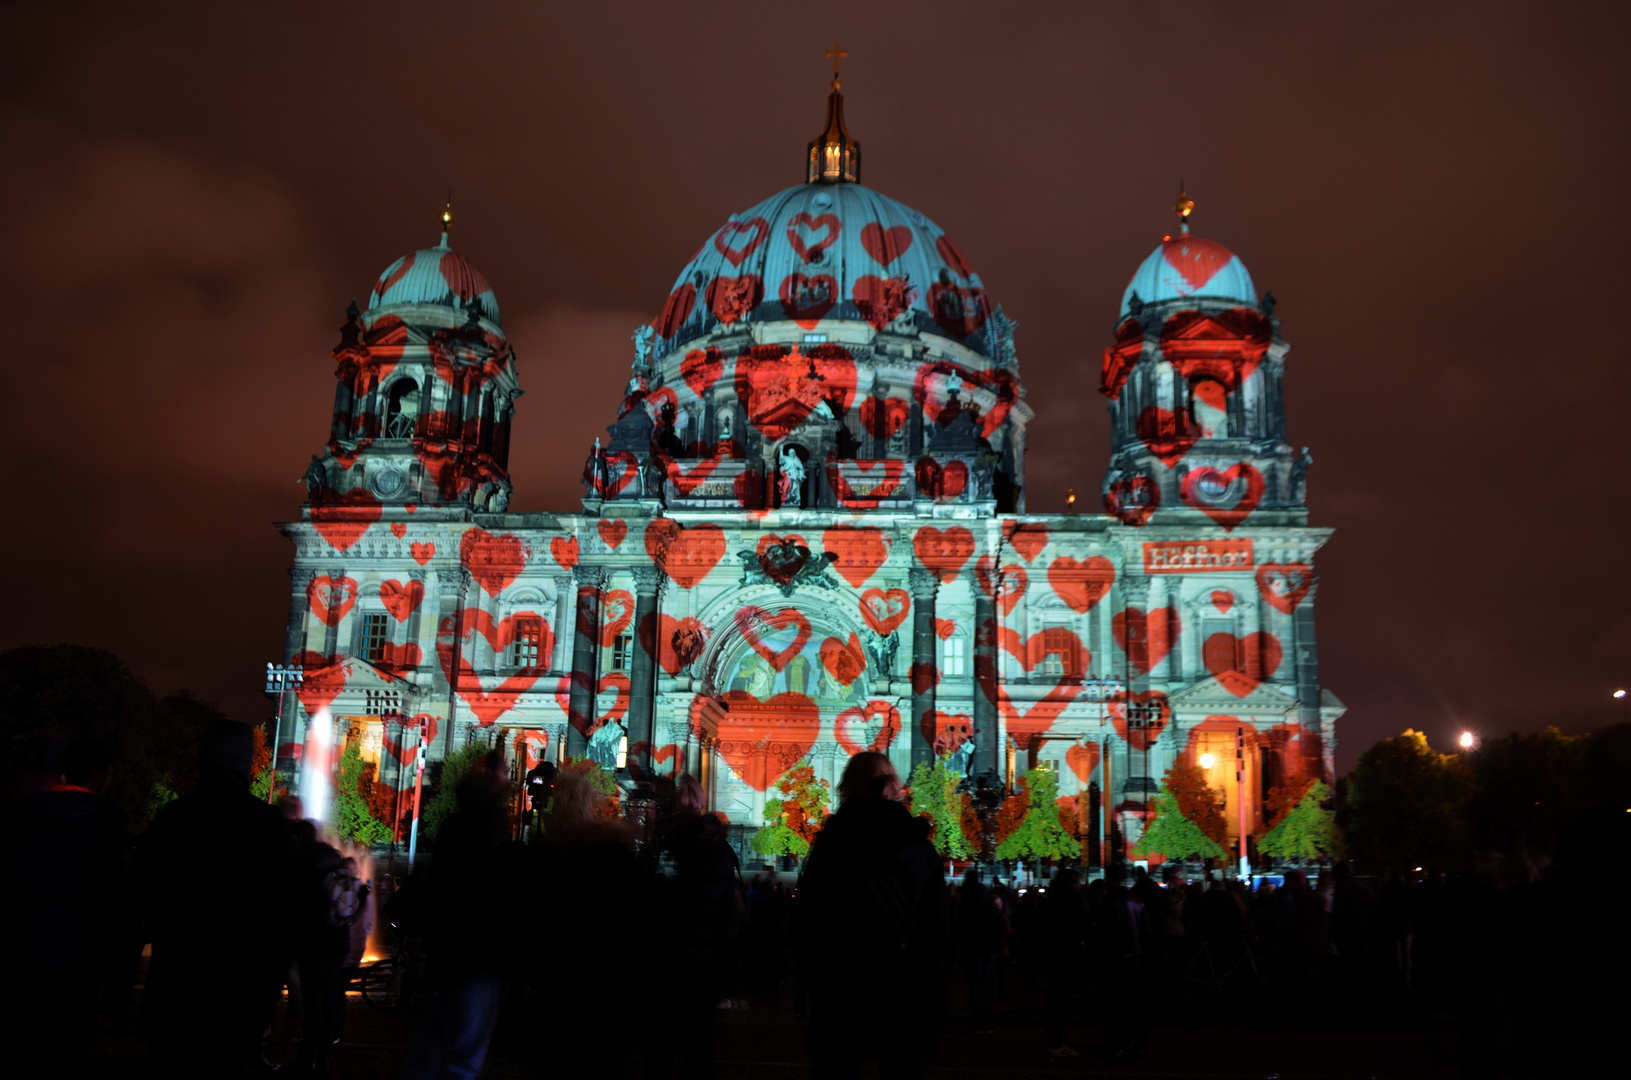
<point x="791" y="480"/>
<point x="642" y="347"/>
<point x="602" y="749"/>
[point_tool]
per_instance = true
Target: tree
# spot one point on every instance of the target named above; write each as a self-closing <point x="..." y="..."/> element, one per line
<point x="1039" y="834"/>
<point x="601" y="782"/>
<point x="1307" y="831"/>
<point x="1172" y="835"/>
<point x="350" y="818"/>
<point x="263" y="776"/>
<point x="1283" y="798"/>
<point x="935" y="796"/>
<point x="1406" y="806"/>
<point x="792" y="821"/>
<point x="445" y="801"/>
<point x="1197" y="801"/>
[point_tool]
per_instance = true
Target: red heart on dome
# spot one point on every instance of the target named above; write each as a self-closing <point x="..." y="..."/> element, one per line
<point x="1197" y="261"/>
<point x="1145" y="637"/>
<point x="616" y="612"/>
<point x="494" y="561"/>
<point x="342" y="519"/>
<point x="1168" y="435"/>
<point x="882" y="300"/>
<point x="1284" y="585"/>
<point x="882" y="417"/>
<point x="884" y="610"/>
<point x="749" y="621"/>
<point x="1151" y="711"/>
<point x="399" y="529"/>
<point x="1133" y="499"/>
<point x="726" y="240"/>
<point x="1203" y="485"/>
<point x="1082" y="759"/>
<point x="1223" y="600"/>
<point x="953" y="256"/>
<point x="959" y="311"/>
<point x="422" y="553"/>
<point x="860" y="551"/>
<point x="564" y="549"/>
<point x="612" y="531"/>
<point x="1027" y="538"/>
<point x="845" y="661"/>
<point x="733" y="299"/>
<point x="806" y="300"/>
<point x="1081" y="584"/>
<point x="397" y="273"/>
<point x="674" y="643"/>
<point x="803" y="224"/>
<point x="401" y="600"/>
<point x="701" y="368"/>
<point x="676" y="310"/>
<point x="944" y="552"/>
<point x="885" y="715"/>
<point x="1006" y="591"/>
<point x="685" y="555"/>
<point x="885" y="245"/>
<point x="1225" y="655"/>
<point x="761" y="739"/>
<point x="331" y="598"/>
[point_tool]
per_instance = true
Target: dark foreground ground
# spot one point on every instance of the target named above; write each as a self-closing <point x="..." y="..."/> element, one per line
<point x="1196" y="1031"/>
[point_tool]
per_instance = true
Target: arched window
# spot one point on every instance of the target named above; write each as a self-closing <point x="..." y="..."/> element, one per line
<point x="402" y="409"/>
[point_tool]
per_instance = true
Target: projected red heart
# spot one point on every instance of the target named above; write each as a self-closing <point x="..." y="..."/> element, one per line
<point x="616" y="682"/>
<point x="953" y="256"/>
<point x="1227" y="497"/>
<point x="665" y="754"/>
<point x="342" y="519"/>
<point x="779" y="388"/>
<point x="739" y="239"/>
<point x="422" y="553"/>
<point x="1133" y="499"/>
<point x="946" y="732"/>
<point x="991" y="393"/>
<point x="617" y="611"/>
<point x="674" y="643"/>
<point x="845" y="661"/>
<point x="1249" y="659"/>
<point x="676" y="310"/>
<point x="882" y="300"/>
<point x="782" y="557"/>
<point x="494" y="561"/>
<point x="399" y="529"/>
<point x="1005" y="587"/>
<point x="860" y="551"/>
<point x="401" y="600"/>
<point x="1037" y="719"/>
<point x="323" y="679"/>
<point x="1053" y="641"/>
<point x="331" y="598"/>
<point x="701" y="368"/>
<point x="755" y="624"/>
<point x="810" y="236"/>
<point x="1197" y="261"/>
<point x="500" y="633"/>
<point x="687" y="482"/>
<point x="806" y="299"/>
<point x="959" y="311"/>
<point x="884" y="610"/>
<point x="885" y="245"/>
<point x="924" y="677"/>
<point x="953" y="480"/>
<point x="945" y="628"/>
<point x="1145" y="637"/>
<point x="1223" y="600"/>
<point x="943" y="552"/>
<point x="1168" y="435"/>
<point x="401" y="739"/>
<point x="1150" y="712"/>
<point x="1081" y="584"/>
<point x="564" y="549"/>
<point x="1083" y="759"/>
<point x="1026" y="538"/>
<point x="685" y="555"/>
<point x="1284" y="585"/>
<point x="733" y="299"/>
<point x="403" y="657"/>
<point x="888" y="483"/>
<point x="612" y="531"/>
<point x="872" y="726"/>
<point x="761" y="739"/>
<point x="882" y="417"/>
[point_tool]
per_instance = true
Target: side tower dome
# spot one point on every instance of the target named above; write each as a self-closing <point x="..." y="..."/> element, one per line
<point x="426" y="390"/>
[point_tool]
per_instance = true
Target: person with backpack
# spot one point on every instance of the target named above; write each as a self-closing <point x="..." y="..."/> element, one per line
<point x="873" y="928"/>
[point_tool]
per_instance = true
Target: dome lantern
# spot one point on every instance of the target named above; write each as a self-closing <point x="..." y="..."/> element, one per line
<point x="834" y="156"/>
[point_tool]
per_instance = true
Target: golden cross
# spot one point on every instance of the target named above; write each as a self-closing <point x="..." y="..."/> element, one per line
<point x="837" y="54"/>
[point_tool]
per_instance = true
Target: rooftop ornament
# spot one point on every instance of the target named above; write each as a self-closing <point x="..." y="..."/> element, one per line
<point x="834" y="155"/>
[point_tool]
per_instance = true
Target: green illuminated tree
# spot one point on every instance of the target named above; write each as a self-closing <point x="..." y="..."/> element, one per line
<point x="1308" y="831"/>
<point x="1039" y="834"/>
<point x="792" y="821"/>
<point x="935" y="796"/>
<point x="351" y="818"/>
<point x="1172" y="835"/>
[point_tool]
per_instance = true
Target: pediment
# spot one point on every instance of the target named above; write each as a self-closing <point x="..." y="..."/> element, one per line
<point x="1231" y="695"/>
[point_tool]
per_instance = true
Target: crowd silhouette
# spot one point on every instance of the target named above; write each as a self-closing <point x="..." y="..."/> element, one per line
<point x="583" y="953"/>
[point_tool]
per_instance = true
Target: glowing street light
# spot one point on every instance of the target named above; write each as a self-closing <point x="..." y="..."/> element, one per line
<point x="1467" y="740"/>
<point x="1207" y="761"/>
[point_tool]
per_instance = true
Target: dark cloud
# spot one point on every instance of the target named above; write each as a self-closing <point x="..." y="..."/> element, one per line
<point x="193" y="193"/>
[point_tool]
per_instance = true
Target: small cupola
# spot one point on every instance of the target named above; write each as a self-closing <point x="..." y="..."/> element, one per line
<point x="834" y="156"/>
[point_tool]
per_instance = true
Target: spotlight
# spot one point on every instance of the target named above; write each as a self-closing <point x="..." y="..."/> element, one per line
<point x="1467" y="740"/>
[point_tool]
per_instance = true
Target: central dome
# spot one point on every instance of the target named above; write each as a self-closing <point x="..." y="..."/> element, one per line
<point x="817" y="252"/>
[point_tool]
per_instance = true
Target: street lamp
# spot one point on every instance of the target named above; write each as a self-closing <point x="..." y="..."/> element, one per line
<point x="1207" y="761"/>
<point x="1467" y="740"/>
<point x="279" y="680"/>
<point x="1625" y="703"/>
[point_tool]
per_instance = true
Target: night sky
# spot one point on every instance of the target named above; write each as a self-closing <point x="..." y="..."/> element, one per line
<point x="193" y="193"/>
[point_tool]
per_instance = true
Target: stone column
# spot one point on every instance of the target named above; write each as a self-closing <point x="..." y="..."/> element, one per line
<point x="987" y="681"/>
<point x="648" y="585"/>
<point x="925" y="667"/>
<point x="1308" y="677"/>
<point x="1135" y="592"/>
<point x="560" y="658"/>
<point x="585" y="658"/>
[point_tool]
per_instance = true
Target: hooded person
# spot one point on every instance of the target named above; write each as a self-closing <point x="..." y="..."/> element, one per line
<point x="873" y="925"/>
<point x="216" y="883"/>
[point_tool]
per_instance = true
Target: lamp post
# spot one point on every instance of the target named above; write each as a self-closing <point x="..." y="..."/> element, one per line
<point x="418" y="792"/>
<point x="279" y="677"/>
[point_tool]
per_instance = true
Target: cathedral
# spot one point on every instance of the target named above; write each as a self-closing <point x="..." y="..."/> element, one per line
<point x="805" y="532"/>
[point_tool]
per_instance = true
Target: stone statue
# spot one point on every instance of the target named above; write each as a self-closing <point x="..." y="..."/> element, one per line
<point x="1299" y="478"/>
<point x="761" y="680"/>
<point x="500" y="499"/>
<point x="642" y="347"/>
<point x="791" y="478"/>
<point x="594" y="472"/>
<point x="883" y="648"/>
<point x="602" y="749"/>
<point x="316" y="478"/>
<point x="725" y="421"/>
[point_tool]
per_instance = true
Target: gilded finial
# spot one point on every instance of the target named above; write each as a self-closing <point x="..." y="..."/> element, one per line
<point x="834" y="156"/>
<point x="1185" y="205"/>
<point x="447" y="217"/>
<point x="837" y="53"/>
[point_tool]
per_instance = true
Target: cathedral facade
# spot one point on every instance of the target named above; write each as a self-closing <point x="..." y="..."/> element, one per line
<point x="805" y="533"/>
